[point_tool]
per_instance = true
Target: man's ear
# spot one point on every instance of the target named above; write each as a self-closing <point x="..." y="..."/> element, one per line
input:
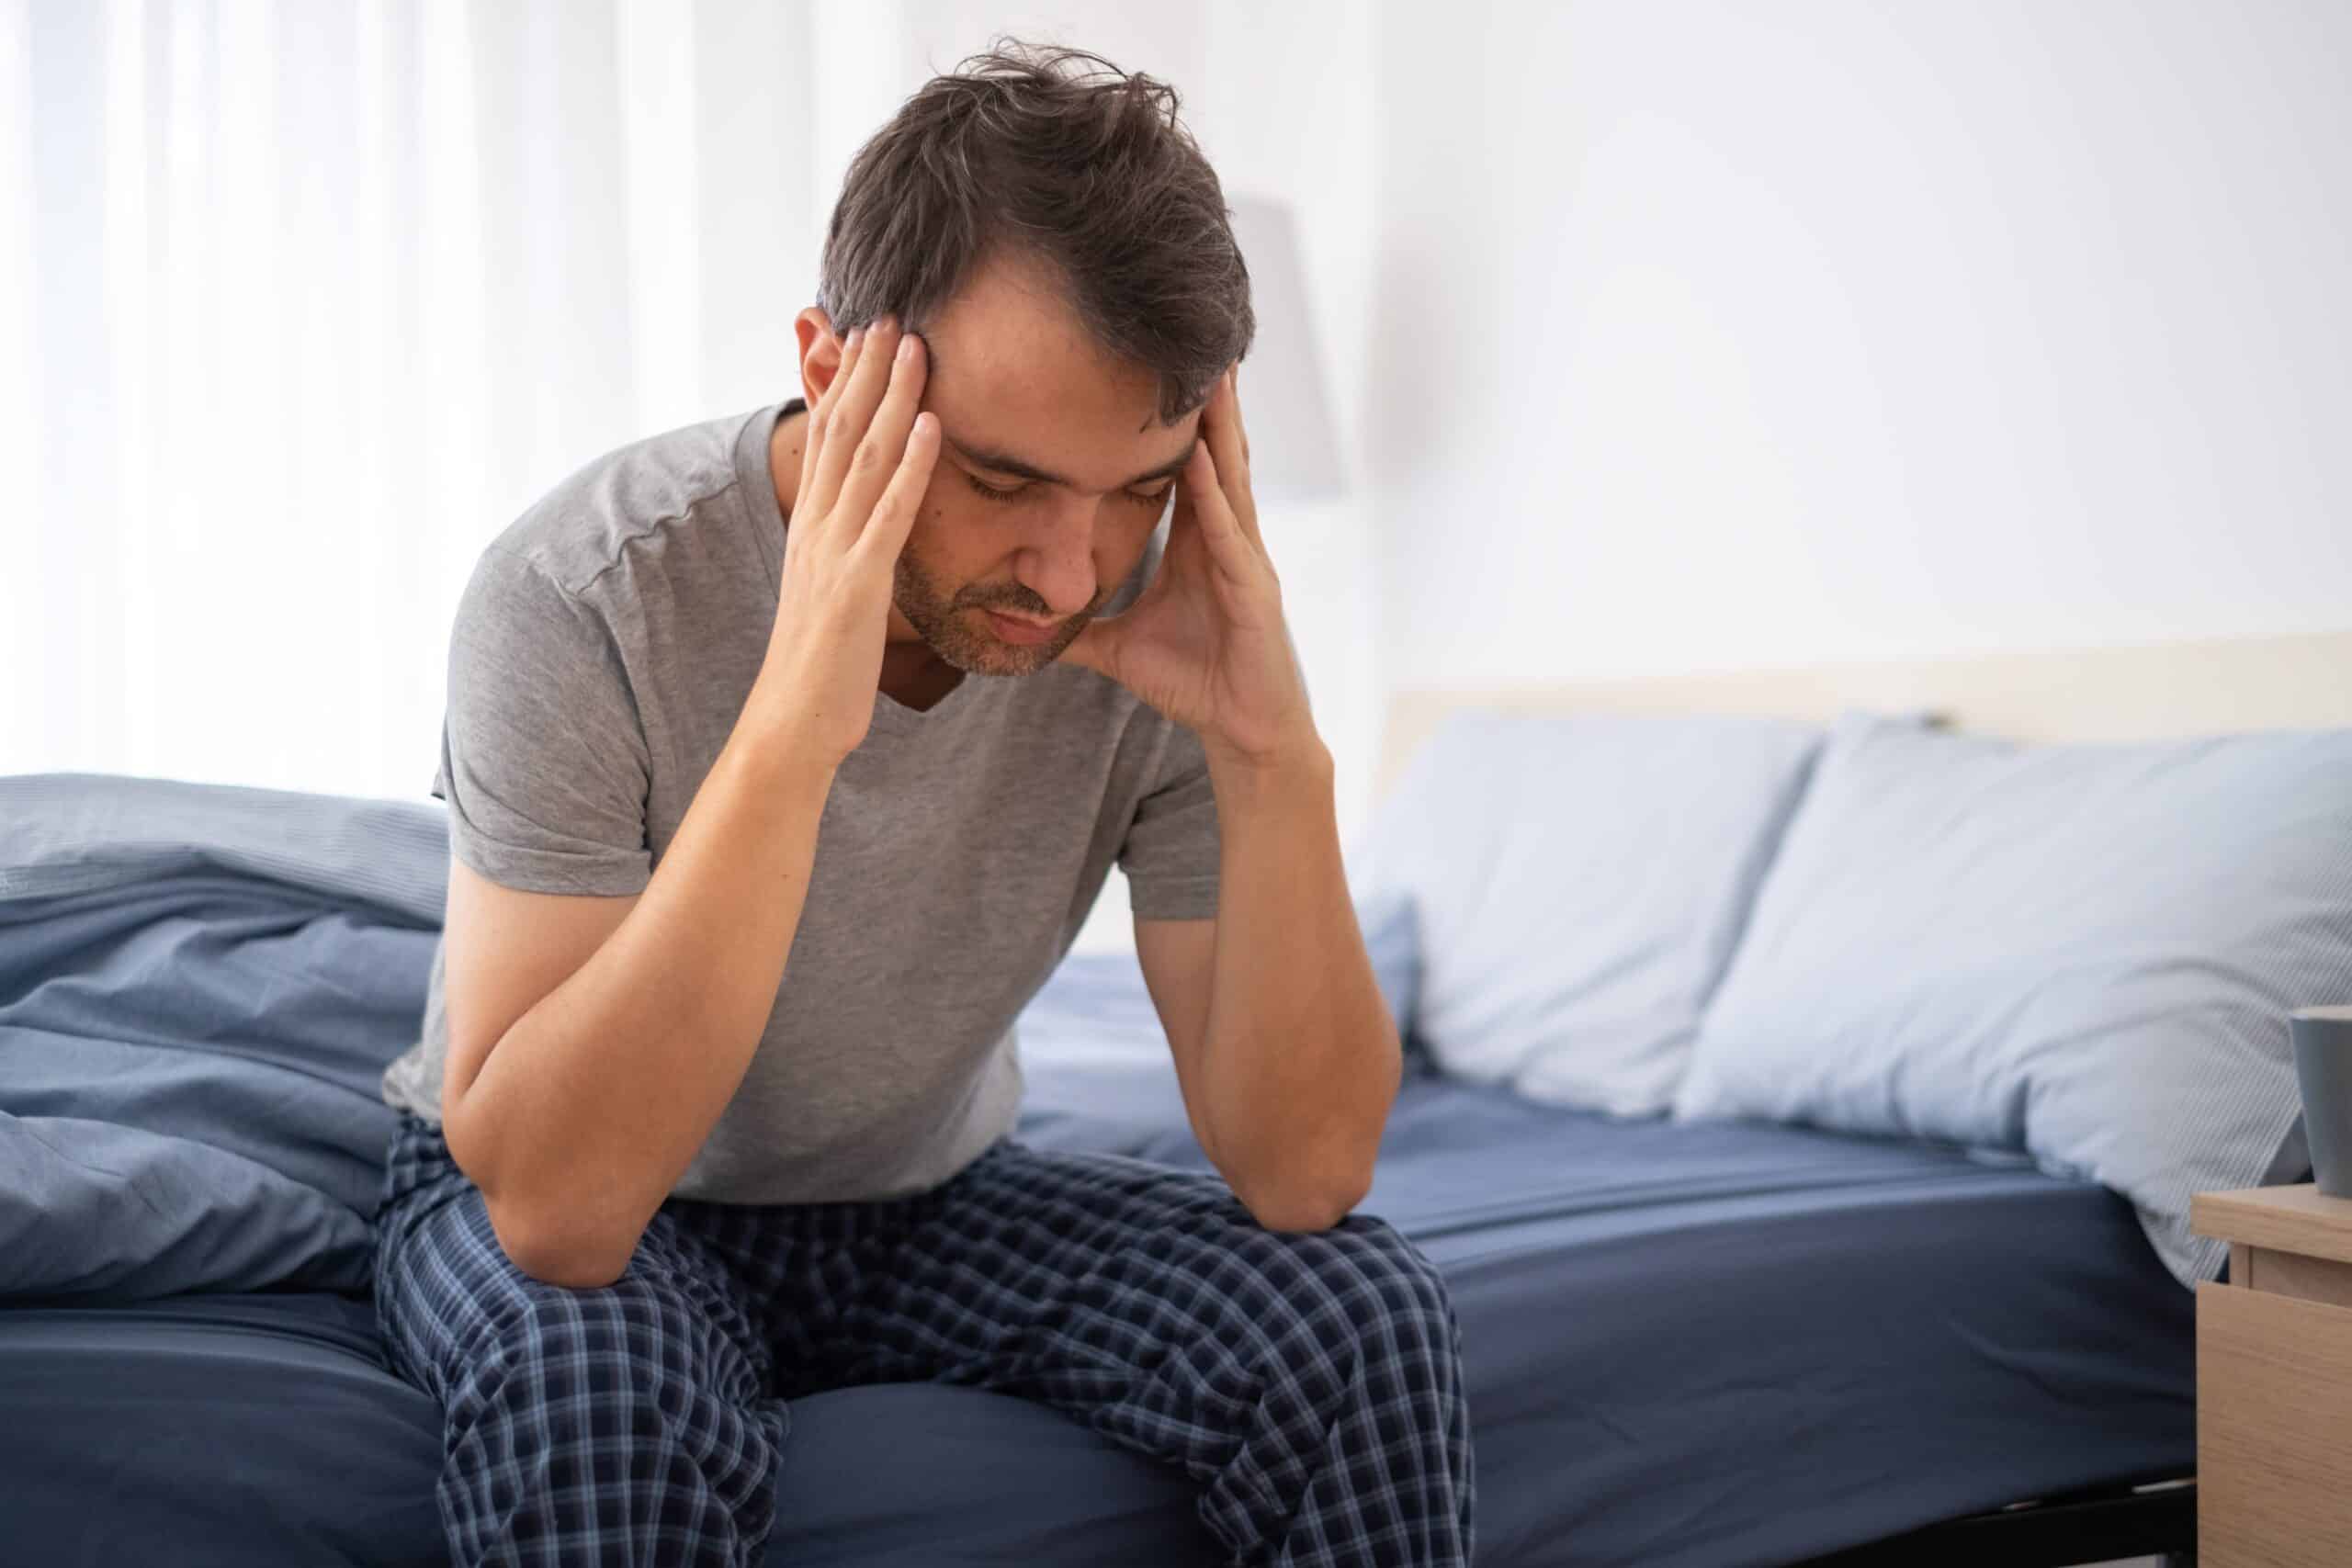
<point x="820" y="352"/>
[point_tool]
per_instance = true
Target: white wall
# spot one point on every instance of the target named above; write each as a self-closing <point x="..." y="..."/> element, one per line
<point x="1719" y="334"/>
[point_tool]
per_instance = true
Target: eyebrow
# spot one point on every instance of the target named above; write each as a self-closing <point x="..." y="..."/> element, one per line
<point x="1006" y="463"/>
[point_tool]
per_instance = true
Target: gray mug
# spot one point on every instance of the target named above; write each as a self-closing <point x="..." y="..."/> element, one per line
<point x="2323" y="1068"/>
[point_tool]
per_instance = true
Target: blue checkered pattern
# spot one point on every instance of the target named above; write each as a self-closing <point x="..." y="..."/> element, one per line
<point x="1310" y="1383"/>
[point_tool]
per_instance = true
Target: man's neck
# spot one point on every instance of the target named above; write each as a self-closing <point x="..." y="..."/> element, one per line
<point x="915" y="677"/>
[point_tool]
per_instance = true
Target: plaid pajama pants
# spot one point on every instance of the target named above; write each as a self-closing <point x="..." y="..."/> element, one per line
<point x="1310" y="1383"/>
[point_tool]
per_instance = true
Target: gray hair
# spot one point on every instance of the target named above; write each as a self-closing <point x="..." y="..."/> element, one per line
<point x="1087" y="172"/>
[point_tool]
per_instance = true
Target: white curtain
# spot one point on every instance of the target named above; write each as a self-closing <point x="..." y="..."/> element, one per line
<point x="302" y="302"/>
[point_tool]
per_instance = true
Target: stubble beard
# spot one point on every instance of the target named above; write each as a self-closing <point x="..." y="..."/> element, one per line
<point x="947" y="624"/>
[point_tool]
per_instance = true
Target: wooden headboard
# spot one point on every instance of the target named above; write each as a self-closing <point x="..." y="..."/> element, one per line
<point x="2155" y="691"/>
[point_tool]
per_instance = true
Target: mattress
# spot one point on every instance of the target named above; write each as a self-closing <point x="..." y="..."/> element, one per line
<point x="1721" y="1343"/>
<point x="261" y="1428"/>
<point x="1699" y="1345"/>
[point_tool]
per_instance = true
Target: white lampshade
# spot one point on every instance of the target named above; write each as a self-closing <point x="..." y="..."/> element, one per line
<point x="1294" y="450"/>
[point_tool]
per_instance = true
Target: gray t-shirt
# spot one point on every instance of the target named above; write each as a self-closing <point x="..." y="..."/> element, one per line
<point x="603" y="649"/>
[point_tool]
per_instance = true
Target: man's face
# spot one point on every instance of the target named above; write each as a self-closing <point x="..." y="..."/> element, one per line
<point x="1021" y="392"/>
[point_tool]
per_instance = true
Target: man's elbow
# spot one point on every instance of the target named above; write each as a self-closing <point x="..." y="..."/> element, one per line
<point x="556" y="1255"/>
<point x="1309" y="1201"/>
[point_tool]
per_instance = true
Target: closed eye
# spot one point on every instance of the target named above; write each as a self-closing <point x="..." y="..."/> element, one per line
<point x="992" y="493"/>
<point x="1152" y="497"/>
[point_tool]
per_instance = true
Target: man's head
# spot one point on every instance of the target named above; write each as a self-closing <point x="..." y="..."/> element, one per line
<point x="1058" y="241"/>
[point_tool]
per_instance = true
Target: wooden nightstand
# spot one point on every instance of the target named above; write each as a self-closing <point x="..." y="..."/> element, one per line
<point x="2274" y="1381"/>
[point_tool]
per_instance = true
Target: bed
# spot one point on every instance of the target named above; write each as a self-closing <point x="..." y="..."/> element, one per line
<point x="1703" y="1343"/>
<point x="1827" y="1290"/>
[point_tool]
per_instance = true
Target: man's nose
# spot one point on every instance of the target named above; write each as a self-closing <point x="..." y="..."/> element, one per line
<point x="1057" y="564"/>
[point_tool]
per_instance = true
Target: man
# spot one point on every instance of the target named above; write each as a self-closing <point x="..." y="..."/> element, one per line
<point x="751" y="877"/>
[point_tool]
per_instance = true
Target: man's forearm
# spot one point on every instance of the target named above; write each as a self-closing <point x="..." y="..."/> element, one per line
<point x="592" y="1104"/>
<point x="1300" y="1063"/>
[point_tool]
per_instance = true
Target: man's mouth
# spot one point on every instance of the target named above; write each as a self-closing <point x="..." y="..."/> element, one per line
<point x="1026" y="632"/>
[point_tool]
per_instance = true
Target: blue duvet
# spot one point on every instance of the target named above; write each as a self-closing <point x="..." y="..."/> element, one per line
<point x="199" y="985"/>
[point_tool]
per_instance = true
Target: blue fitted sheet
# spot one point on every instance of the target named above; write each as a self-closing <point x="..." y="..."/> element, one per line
<point x="1743" y="1343"/>
<point x="1701" y="1345"/>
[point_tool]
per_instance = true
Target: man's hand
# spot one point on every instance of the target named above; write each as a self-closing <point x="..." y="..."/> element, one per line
<point x="1204" y="643"/>
<point x="1288" y="1058"/>
<point x="865" y="465"/>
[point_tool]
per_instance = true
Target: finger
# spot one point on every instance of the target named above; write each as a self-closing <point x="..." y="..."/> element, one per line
<point x="1227" y="445"/>
<point x="820" y="417"/>
<point x="837" y="437"/>
<point x="1239" y="423"/>
<point x="845" y="425"/>
<point x="893" y="517"/>
<point x="876" y="460"/>
<point x="1204" y="505"/>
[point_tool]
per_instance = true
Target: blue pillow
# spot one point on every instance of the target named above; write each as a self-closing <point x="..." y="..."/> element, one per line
<point x="1391" y="925"/>
<point x="1579" y="885"/>
<point x="2086" y="952"/>
<point x="199" y="987"/>
<point x="1095" y="1006"/>
<point x="1095" y="1058"/>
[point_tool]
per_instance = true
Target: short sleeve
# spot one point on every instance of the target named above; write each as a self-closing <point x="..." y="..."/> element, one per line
<point x="543" y="757"/>
<point x="1170" y="852"/>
